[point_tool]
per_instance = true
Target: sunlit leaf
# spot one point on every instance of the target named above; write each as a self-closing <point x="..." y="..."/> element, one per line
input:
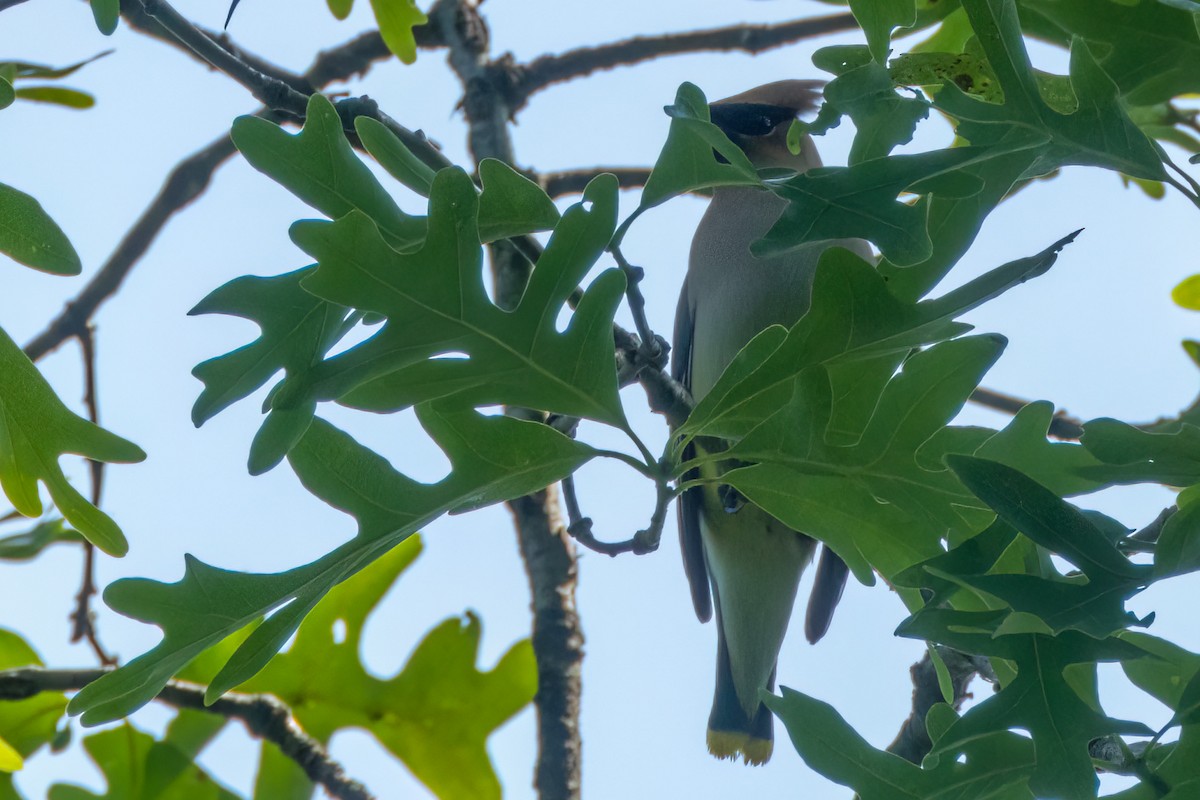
<point x="435" y="715"/>
<point x="396" y="19"/>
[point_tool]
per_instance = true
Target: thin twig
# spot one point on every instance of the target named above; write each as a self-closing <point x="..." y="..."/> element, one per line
<point x="1062" y="426"/>
<point x="275" y="94"/>
<point x="551" y="69"/>
<point x="183" y="185"/>
<point x="83" y="619"/>
<point x="643" y="542"/>
<point x="265" y="716"/>
<point x="574" y="181"/>
<point x="653" y="346"/>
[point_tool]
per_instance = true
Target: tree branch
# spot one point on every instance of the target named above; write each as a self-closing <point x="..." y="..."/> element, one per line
<point x="265" y="716"/>
<point x="913" y="742"/>
<point x="546" y="549"/>
<point x="573" y="181"/>
<point x="184" y="185"/>
<point x="1062" y="426"/>
<point x="549" y="70"/>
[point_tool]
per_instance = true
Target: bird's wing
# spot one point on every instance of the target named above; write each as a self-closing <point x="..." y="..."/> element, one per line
<point x="826" y="592"/>
<point x="688" y="506"/>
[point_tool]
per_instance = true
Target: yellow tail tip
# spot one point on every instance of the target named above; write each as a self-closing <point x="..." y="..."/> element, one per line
<point x="734" y="744"/>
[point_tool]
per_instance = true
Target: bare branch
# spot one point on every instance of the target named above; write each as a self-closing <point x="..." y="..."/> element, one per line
<point x="549" y="70"/>
<point x="1061" y="427"/>
<point x="184" y="184"/>
<point x="913" y="742"/>
<point x="264" y="715"/>
<point x="546" y="549"/>
<point x="557" y="184"/>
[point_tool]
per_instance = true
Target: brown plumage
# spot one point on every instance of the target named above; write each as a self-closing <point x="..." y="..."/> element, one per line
<point x="746" y="564"/>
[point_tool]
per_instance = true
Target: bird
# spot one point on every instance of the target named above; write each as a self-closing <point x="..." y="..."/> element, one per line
<point x="740" y="561"/>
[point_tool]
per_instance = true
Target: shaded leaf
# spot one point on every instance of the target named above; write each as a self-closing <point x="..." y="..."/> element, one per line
<point x="319" y="167"/>
<point x="30" y="237"/>
<point x="394" y="156"/>
<point x="57" y="95"/>
<point x="436" y="304"/>
<point x="878" y="18"/>
<point x="511" y="204"/>
<point x="31" y="543"/>
<point x="106" y="13"/>
<point x="687" y="161"/>
<point x="297" y="330"/>
<point x="209" y="603"/>
<point x="35" y="430"/>
<point x="997" y="767"/>
<point x="1039" y="699"/>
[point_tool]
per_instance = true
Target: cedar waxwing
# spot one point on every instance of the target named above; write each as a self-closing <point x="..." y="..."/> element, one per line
<point x="749" y="561"/>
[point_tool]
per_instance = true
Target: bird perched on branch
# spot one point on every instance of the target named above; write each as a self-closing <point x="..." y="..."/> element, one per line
<point x="740" y="560"/>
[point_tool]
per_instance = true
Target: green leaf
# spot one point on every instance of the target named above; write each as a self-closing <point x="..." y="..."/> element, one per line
<point x="996" y="767"/>
<point x="340" y="8"/>
<point x="137" y="766"/>
<point x="435" y="715"/>
<point x="878" y="18"/>
<point x="7" y="95"/>
<point x="28" y="69"/>
<point x="1039" y="699"/>
<point x="10" y="759"/>
<point x="396" y="19"/>
<point x="297" y="330"/>
<point x="1178" y="548"/>
<point x="852" y="317"/>
<point x="31" y="543"/>
<point x="106" y="14"/>
<point x="209" y="604"/>
<point x="35" y="430"/>
<point x="872" y="503"/>
<point x="319" y="167"/>
<point x="861" y="201"/>
<point x="1170" y="455"/>
<point x="882" y="118"/>
<point x="1187" y="293"/>
<point x="1099" y="133"/>
<point x="1150" y="49"/>
<point x="57" y="95"/>
<point x="687" y="162"/>
<point x="394" y="156"/>
<point x="30" y="237"/>
<point x="436" y="304"/>
<point x="1042" y="516"/>
<point x="25" y="725"/>
<point x="511" y="204"/>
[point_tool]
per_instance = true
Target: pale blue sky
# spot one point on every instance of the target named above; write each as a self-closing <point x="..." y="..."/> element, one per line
<point x="1098" y="335"/>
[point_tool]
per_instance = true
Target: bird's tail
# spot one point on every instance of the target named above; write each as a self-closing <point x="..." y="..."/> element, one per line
<point x="732" y="733"/>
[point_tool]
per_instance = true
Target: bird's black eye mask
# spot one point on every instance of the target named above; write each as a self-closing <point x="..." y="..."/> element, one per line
<point x="745" y="120"/>
<point x="749" y="119"/>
